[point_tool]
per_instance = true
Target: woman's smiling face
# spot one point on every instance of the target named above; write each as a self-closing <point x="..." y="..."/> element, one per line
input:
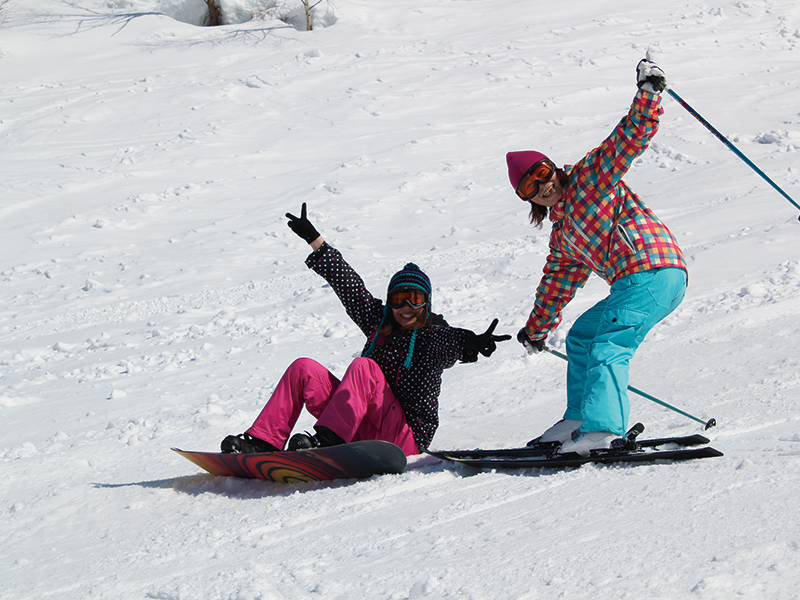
<point x="407" y="317"/>
<point x="550" y="192"/>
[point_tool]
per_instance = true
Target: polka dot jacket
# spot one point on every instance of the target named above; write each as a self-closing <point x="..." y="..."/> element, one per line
<point x="436" y="347"/>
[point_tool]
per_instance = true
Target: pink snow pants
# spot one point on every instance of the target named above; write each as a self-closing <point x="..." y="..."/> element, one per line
<point x="361" y="406"/>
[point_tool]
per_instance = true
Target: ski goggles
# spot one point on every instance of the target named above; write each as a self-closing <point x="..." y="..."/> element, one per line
<point x="539" y="173"/>
<point x="414" y="298"/>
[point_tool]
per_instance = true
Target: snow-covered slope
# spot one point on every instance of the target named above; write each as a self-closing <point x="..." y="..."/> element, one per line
<point x="152" y="294"/>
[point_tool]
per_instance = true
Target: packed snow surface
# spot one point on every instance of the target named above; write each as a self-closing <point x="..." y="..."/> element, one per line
<point x="152" y="294"/>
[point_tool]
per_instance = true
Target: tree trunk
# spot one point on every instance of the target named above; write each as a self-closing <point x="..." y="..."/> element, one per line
<point x="213" y="13"/>
<point x="307" y="6"/>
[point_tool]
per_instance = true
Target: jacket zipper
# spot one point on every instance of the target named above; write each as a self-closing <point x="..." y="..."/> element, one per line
<point x="578" y="249"/>
<point x="623" y="235"/>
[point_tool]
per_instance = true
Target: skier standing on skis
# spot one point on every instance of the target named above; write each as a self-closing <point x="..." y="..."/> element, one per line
<point x="599" y="225"/>
<point x="391" y="392"/>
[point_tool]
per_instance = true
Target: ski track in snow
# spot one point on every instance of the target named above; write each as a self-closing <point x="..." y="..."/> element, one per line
<point x="153" y="295"/>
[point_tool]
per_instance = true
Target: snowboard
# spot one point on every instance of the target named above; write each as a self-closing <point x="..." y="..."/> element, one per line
<point x="357" y="460"/>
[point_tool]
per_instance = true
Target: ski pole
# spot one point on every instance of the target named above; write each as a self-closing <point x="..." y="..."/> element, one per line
<point x="708" y="424"/>
<point x="730" y="145"/>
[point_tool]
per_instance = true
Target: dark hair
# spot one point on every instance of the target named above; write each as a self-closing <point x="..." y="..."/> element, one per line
<point x="538" y="214"/>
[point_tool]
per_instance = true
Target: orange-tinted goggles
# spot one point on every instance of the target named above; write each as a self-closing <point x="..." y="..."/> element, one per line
<point x="414" y="298"/>
<point x="538" y="174"/>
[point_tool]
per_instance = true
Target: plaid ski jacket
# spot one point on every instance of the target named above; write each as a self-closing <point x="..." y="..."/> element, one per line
<point x="600" y="225"/>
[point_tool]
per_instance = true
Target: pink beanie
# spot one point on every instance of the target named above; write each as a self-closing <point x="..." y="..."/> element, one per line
<point x="519" y="163"/>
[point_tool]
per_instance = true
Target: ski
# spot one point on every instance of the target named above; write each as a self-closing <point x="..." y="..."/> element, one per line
<point x="536" y="451"/>
<point x="559" y="461"/>
<point x="627" y="449"/>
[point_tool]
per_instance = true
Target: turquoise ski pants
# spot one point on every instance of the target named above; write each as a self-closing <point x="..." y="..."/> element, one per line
<point x="603" y="340"/>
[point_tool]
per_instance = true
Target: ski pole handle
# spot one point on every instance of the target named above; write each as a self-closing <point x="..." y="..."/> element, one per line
<point x="708" y="424"/>
<point x="730" y="145"/>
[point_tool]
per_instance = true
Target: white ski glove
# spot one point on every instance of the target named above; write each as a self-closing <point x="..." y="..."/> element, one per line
<point x="649" y="76"/>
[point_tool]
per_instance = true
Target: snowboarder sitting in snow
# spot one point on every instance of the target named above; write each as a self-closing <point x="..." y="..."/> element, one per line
<point x="599" y="225"/>
<point x="391" y="391"/>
